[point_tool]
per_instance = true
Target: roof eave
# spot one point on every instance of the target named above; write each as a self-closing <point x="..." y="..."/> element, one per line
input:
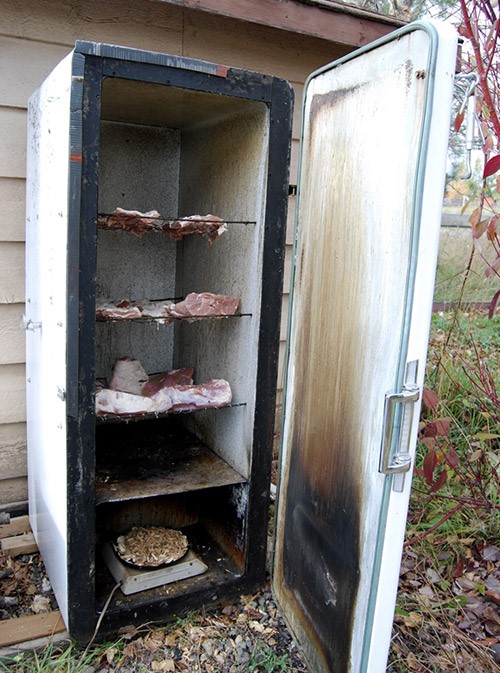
<point x="325" y="19"/>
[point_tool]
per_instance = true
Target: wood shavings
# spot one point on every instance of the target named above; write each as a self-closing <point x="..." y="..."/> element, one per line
<point x="151" y="547"/>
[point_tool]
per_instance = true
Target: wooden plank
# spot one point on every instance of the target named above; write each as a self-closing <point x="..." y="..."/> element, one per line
<point x="142" y="24"/>
<point x="143" y="460"/>
<point x="18" y="630"/>
<point x="18" y="544"/>
<point x="351" y="26"/>
<point x="13" y="450"/>
<point x="12" y="394"/>
<point x="16" y="526"/>
<point x="20" y="73"/>
<point x="13" y="142"/>
<point x="11" y="272"/>
<point x="12" y="347"/>
<point x="13" y="490"/>
<point x="12" y="209"/>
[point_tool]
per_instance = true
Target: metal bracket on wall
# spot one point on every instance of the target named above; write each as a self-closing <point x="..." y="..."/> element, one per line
<point x="30" y="325"/>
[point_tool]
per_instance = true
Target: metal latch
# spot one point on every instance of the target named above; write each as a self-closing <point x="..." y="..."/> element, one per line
<point x="30" y="325"/>
<point x="398" y="414"/>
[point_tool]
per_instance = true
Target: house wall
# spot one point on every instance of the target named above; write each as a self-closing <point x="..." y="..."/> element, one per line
<point x="34" y="37"/>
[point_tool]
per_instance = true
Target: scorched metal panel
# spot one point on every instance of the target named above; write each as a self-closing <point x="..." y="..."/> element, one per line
<point x="372" y="170"/>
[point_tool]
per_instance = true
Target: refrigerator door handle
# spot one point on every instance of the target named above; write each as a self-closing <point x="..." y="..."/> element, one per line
<point x="398" y="415"/>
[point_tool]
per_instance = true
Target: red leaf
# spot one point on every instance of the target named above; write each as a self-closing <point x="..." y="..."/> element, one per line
<point x="474" y="217"/>
<point x="458" y="121"/>
<point x="458" y="571"/>
<point x="479" y="228"/>
<point x="429" y="465"/>
<point x="452" y="458"/>
<point x="494" y="304"/>
<point x="492" y="166"/>
<point x="442" y="426"/>
<point x="492" y="228"/>
<point x="430" y="399"/>
<point x="439" y="427"/>
<point x="440" y="482"/>
<point x="429" y="442"/>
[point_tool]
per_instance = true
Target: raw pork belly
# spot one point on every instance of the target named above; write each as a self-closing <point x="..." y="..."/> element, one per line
<point x="212" y="394"/>
<point x="177" y="377"/>
<point x="132" y="392"/>
<point x="130" y="220"/>
<point x="195" y="305"/>
<point x="121" y="310"/>
<point x="118" y="403"/>
<point x="206" y="225"/>
<point x="156" y="309"/>
<point x="137" y="223"/>
<point x="205" y="304"/>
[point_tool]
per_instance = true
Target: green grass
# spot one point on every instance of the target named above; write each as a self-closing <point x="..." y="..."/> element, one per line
<point x="455" y="248"/>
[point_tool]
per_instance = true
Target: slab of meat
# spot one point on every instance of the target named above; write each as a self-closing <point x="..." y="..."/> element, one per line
<point x="205" y="304"/>
<point x="131" y="220"/>
<point x="206" y="225"/>
<point x="156" y="309"/>
<point x="137" y="223"/>
<point x="115" y="402"/>
<point x="209" y="395"/>
<point x="176" y="377"/>
<point x="128" y="376"/>
<point x="122" y="310"/>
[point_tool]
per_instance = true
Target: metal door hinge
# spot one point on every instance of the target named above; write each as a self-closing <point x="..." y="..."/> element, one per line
<point x="398" y="414"/>
<point x="30" y="325"/>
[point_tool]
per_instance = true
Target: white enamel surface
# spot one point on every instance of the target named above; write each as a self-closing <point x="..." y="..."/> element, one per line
<point x="435" y="167"/>
<point x="358" y="174"/>
<point x="46" y="257"/>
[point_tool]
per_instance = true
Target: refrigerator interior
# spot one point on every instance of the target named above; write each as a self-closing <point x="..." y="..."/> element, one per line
<point x="180" y="152"/>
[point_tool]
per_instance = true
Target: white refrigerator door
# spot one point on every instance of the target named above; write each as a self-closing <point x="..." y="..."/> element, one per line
<point x="51" y="136"/>
<point x="373" y="153"/>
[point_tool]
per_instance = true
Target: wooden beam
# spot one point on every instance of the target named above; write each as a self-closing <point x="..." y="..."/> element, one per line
<point x="16" y="526"/>
<point x="20" y="629"/>
<point x="330" y="21"/>
<point x="19" y="544"/>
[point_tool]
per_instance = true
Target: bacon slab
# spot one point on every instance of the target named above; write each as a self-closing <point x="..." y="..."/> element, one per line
<point x="205" y="304"/>
<point x="131" y="220"/>
<point x="176" y="377"/>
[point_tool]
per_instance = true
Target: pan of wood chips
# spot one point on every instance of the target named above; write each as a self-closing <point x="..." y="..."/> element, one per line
<point x="151" y="547"/>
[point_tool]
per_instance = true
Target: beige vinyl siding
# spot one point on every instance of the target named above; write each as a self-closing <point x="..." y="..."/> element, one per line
<point x="12" y="211"/>
<point x="12" y="394"/>
<point x="13" y="450"/>
<point x="34" y="37"/>
<point x="12" y="350"/>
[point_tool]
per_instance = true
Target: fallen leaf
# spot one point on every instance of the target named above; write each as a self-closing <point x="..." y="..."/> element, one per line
<point x="412" y="620"/>
<point x="426" y="591"/>
<point x="165" y="665"/>
<point x="432" y="576"/>
<point x="128" y="632"/>
<point x="40" y="604"/>
<point x="110" y="654"/>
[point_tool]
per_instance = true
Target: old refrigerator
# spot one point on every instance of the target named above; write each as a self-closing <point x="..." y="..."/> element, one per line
<point x="115" y="127"/>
